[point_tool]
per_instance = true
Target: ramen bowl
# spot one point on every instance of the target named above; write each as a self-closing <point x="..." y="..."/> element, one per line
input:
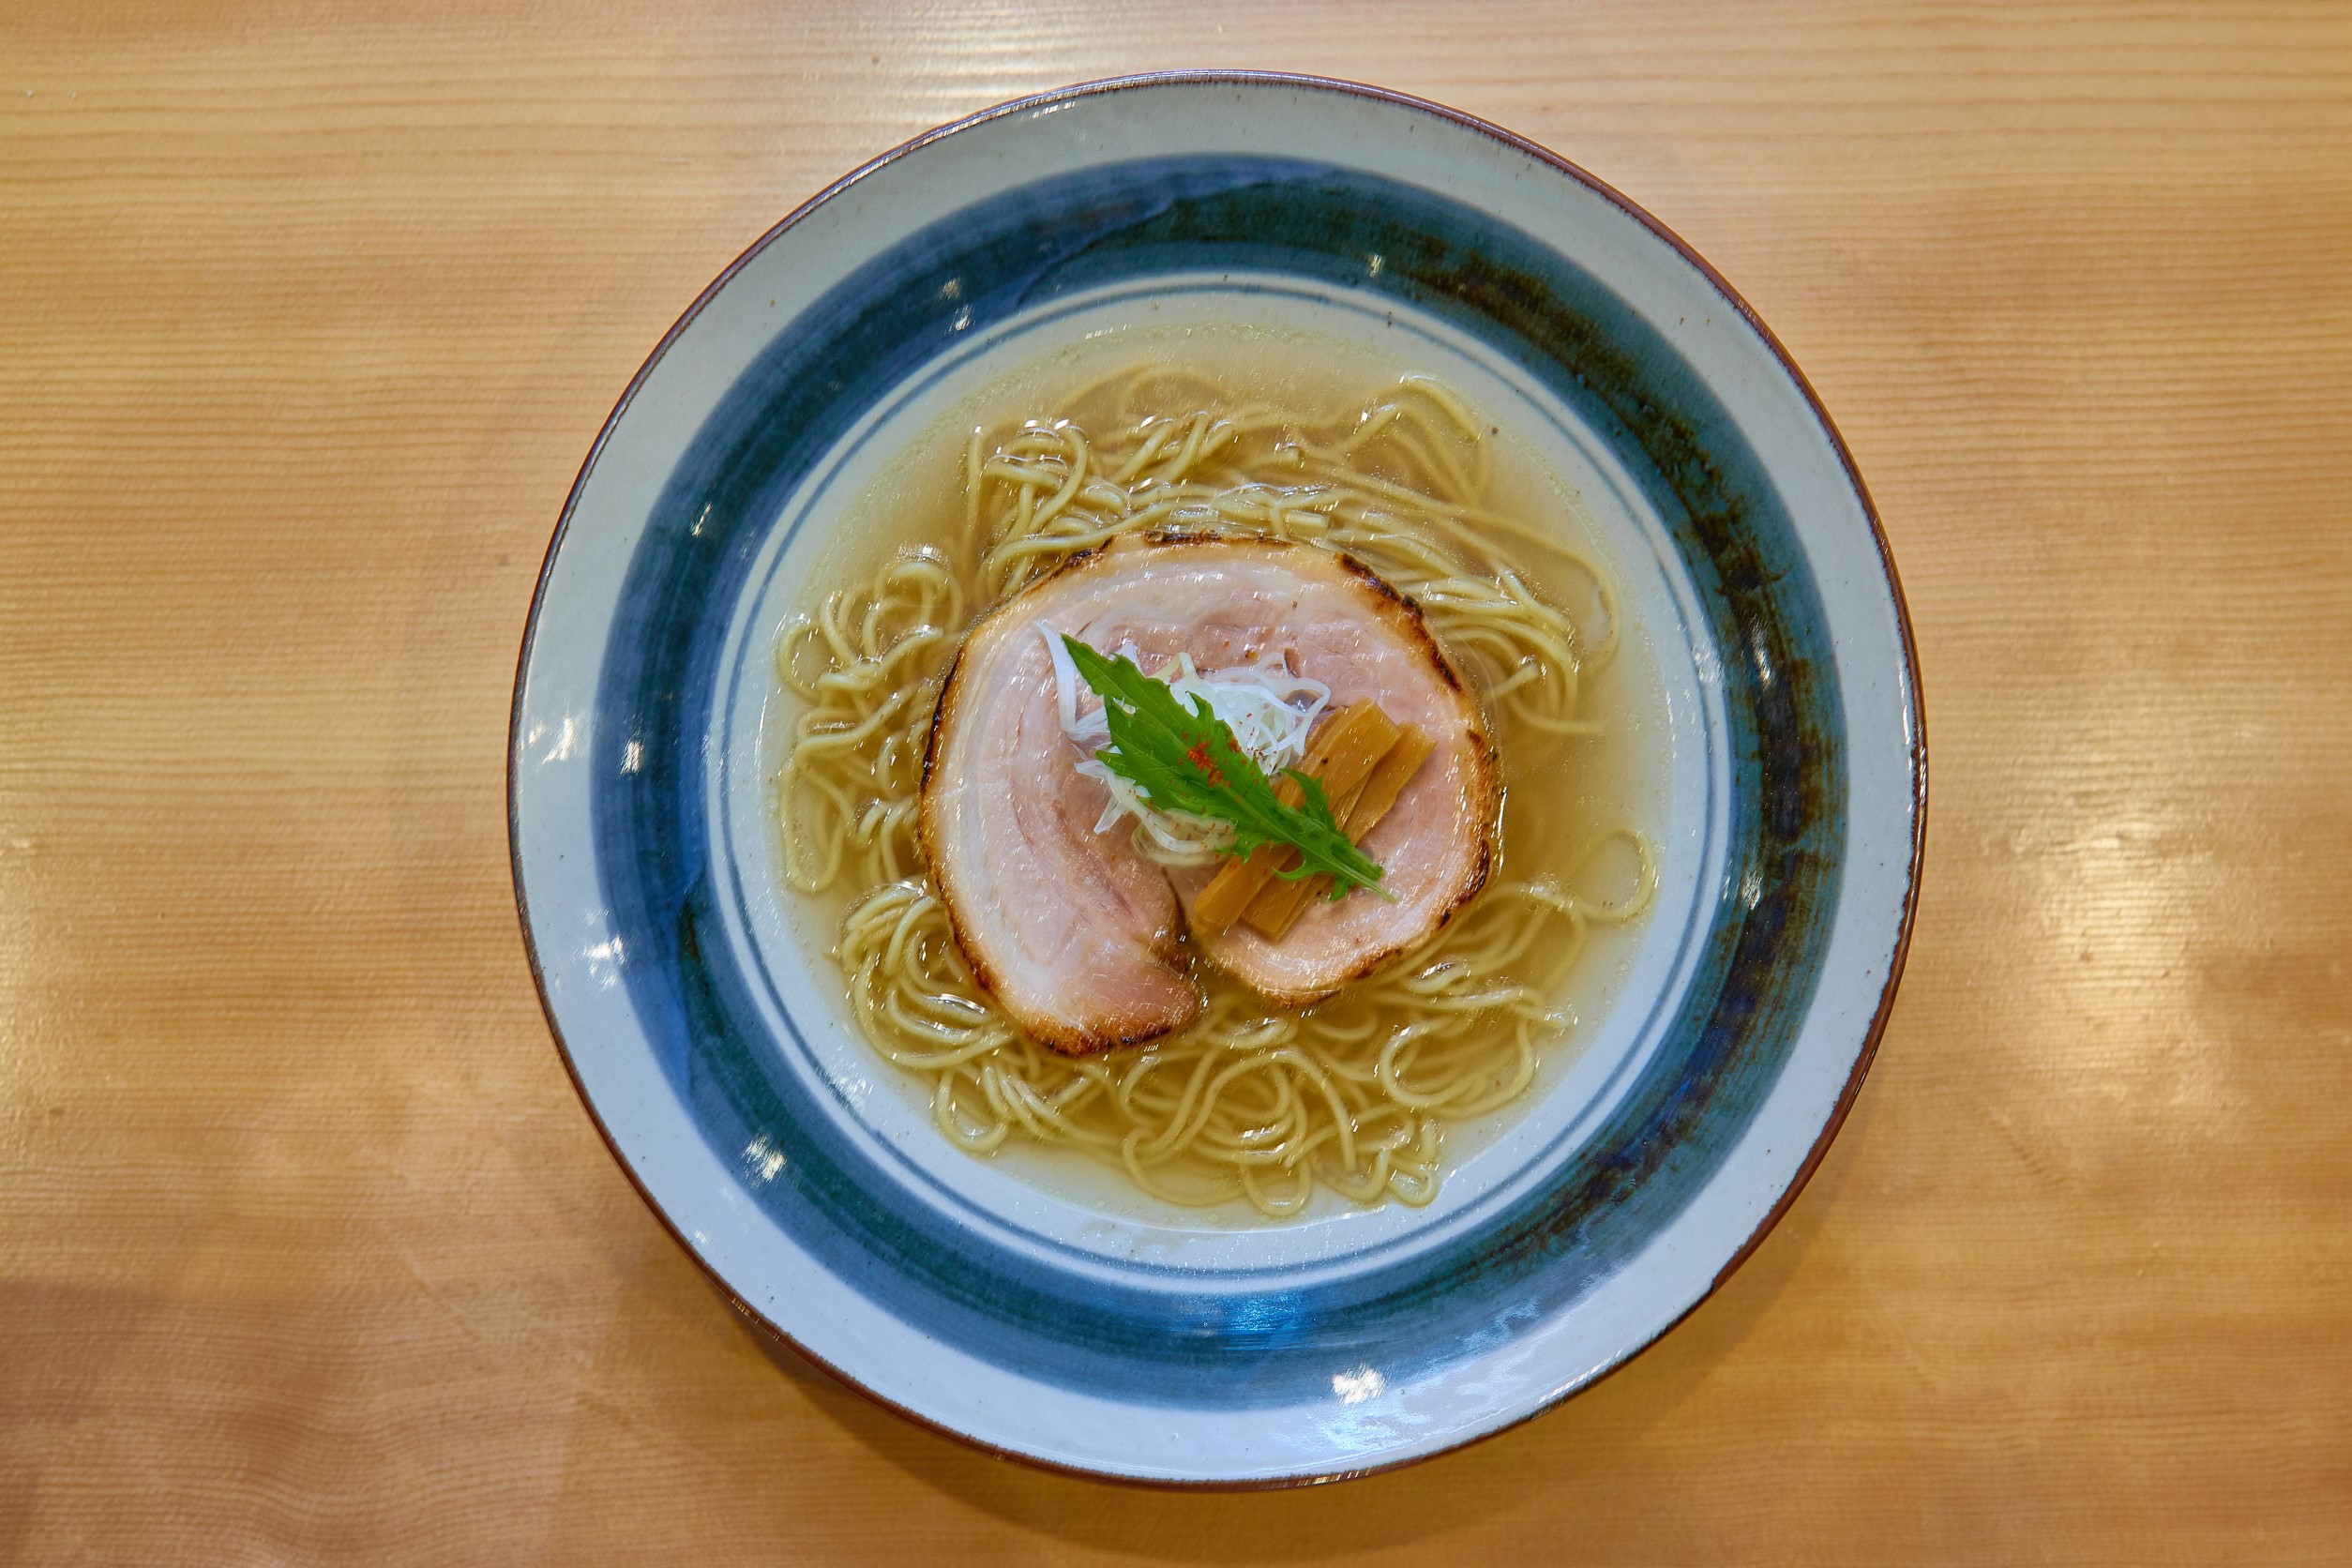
<point x="1070" y="1325"/>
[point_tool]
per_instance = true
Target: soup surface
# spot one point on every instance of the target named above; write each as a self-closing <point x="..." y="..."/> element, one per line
<point x="1252" y="1109"/>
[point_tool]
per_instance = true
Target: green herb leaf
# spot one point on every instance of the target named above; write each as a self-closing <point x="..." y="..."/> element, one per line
<point x="1184" y="759"/>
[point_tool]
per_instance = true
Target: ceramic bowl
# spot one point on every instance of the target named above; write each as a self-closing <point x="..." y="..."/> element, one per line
<point x="708" y="1039"/>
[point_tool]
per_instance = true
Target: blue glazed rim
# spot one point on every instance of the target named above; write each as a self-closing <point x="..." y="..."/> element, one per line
<point x="1616" y="1181"/>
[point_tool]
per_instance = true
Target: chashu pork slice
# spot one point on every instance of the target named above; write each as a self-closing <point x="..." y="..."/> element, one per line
<point x="1072" y="930"/>
<point x="1344" y="628"/>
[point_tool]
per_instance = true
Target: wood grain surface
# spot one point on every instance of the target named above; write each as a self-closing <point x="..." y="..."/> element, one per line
<point x="308" y="311"/>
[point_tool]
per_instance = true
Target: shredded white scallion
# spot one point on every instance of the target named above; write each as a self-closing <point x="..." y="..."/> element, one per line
<point x="1270" y="710"/>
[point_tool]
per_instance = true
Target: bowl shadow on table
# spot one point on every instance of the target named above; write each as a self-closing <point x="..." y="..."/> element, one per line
<point x="1583" y="1445"/>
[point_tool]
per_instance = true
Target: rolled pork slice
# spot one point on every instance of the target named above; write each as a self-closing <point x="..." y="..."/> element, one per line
<point x="1072" y="930"/>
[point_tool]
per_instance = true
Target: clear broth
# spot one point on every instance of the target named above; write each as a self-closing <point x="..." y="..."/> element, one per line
<point x="1560" y="794"/>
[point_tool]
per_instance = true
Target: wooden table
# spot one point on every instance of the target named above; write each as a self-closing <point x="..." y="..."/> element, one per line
<point x="307" y="314"/>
